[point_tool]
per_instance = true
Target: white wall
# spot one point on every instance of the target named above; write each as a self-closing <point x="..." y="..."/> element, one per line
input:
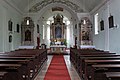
<point x="114" y="37"/>
<point x="1" y="29"/>
<point x="101" y="40"/>
<point x="108" y="39"/>
<point x="6" y="13"/>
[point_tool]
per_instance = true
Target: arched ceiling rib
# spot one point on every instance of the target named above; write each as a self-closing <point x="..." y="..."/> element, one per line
<point x="38" y="6"/>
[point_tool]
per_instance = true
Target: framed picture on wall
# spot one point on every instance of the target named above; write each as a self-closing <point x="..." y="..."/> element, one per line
<point x="18" y="28"/>
<point x="102" y="25"/>
<point x="10" y="38"/>
<point x="111" y="21"/>
<point x="75" y="26"/>
<point x="10" y="23"/>
<point x="37" y="28"/>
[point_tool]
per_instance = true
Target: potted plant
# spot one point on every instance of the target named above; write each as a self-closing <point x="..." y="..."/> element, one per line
<point x="65" y="42"/>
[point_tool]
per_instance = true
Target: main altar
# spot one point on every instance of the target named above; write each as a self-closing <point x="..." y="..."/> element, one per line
<point x="58" y="35"/>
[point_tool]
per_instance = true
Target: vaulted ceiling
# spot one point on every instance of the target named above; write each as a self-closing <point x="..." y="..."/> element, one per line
<point x="36" y="5"/>
<point x="43" y="8"/>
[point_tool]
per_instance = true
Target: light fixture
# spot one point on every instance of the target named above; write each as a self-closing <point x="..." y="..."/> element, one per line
<point x="68" y="22"/>
<point x="84" y="21"/>
<point x="48" y="22"/>
<point x="64" y="21"/>
<point x="28" y="22"/>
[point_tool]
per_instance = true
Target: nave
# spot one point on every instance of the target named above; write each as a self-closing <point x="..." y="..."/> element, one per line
<point x="56" y="25"/>
<point x="72" y="72"/>
<point x="36" y="64"/>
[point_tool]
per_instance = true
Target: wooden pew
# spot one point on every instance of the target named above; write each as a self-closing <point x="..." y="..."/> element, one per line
<point x="99" y="70"/>
<point x="35" y="56"/>
<point x="113" y="75"/>
<point x="77" y="57"/>
<point x="30" y="53"/>
<point x="25" y="68"/>
<point x="10" y="69"/>
<point x="89" y="63"/>
<point x="28" y="61"/>
<point x="40" y="59"/>
<point x="2" y="75"/>
<point x="77" y="62"/>
<point x="82" y="61"/>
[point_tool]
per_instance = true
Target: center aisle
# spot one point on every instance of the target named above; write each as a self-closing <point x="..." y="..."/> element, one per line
<point x="57" y="69"/>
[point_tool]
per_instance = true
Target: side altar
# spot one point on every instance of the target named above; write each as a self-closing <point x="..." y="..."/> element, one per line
<point x="58" y="35"/>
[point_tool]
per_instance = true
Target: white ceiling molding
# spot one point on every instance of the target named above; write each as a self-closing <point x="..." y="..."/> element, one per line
<point x="38" y="6"/>
<point x="8" y="2"/>
<point x="99" y="6"/>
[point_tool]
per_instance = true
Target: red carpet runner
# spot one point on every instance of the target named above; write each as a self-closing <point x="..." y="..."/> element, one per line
<point x="57" y="69"/>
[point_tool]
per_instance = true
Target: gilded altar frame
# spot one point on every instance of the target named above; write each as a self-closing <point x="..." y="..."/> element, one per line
<point x="58" y="24"/>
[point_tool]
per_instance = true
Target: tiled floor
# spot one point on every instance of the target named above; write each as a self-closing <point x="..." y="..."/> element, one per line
<point x="71" y="70"/>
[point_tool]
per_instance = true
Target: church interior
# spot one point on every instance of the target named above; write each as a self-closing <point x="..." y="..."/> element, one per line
<point x="59" y="40"/>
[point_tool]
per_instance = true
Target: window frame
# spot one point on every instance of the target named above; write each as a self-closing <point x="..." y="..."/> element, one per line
<point x="96" y="24"/>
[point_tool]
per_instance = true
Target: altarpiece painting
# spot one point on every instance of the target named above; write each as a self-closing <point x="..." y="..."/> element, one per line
<point x="58" y="35"/>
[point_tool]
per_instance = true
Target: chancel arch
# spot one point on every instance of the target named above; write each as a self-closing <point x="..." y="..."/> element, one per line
<point x="43" y="14"/>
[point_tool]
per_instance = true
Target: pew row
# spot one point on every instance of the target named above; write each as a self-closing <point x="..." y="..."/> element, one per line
<point x="30" y="60"/>
<point x="79" y="57"/>
<point x="100" y="72"/>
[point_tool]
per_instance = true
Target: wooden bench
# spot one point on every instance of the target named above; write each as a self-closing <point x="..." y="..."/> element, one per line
<point x="6" y="70"/>
<point x="82" y="61"/>
<point x="30" y="60"/>
<point x="25" y="68"/>
<point x="77" y="58"/>
<point x="89" y="63"/>
<point x="99" y="70"/>
<point x="113" y="75"/>
<point x="2" y="75"/>
<point x="78" y="62"/>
